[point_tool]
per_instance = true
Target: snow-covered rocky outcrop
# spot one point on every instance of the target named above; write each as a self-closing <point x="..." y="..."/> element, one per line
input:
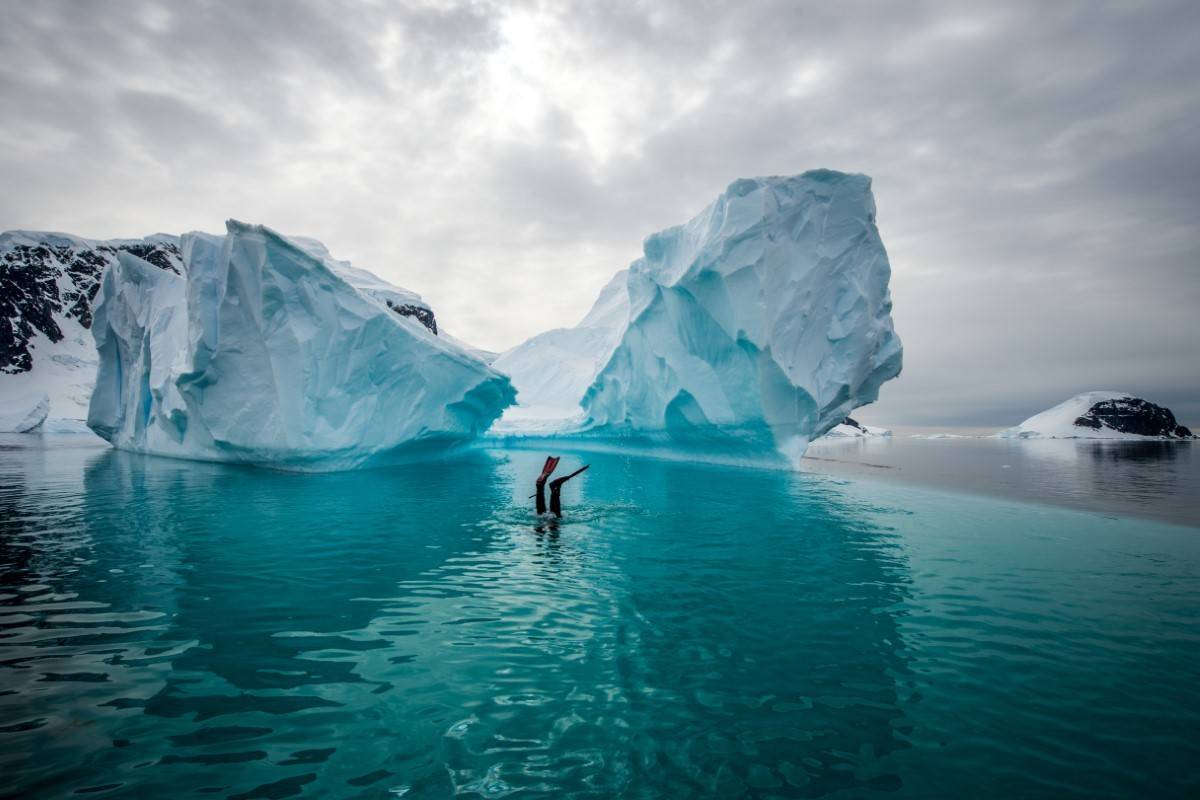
<point x="48" y="282"/>
<point x="760" y="324"/>
<point x="851" y="428"/>
<point x="1101" y="415"/>
<point x="269" y="351"/>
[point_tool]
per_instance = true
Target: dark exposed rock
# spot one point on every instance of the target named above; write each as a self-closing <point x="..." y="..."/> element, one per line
<point x="423" y="315"/>
<point x="46" y="278"/>
<point x="163" y="255"/>
<point x="854" y="424"/>
<point x="1134" y="416"/>
<point x="29" y="300"/>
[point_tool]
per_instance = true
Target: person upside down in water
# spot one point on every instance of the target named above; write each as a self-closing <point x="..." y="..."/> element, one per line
<point x="555" y="486"/>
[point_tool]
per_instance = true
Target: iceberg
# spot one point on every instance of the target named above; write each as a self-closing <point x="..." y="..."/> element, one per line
<point x="756" y="327"/>
<point x="268" y="351"/>
<point x="1101" y="415"/>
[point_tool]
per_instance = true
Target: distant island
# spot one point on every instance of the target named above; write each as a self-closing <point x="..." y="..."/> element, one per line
<point x="1101" y="415"/>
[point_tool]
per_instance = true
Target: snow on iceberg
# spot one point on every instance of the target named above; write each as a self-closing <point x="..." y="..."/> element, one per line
<point x="264" y="352"/>
<point x="401" y="301"/>
<point x="1101" y="415"/>
<point x="758" y="325"/>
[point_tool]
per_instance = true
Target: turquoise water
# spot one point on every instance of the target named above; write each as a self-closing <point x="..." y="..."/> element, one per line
<point x="172" y="629"/>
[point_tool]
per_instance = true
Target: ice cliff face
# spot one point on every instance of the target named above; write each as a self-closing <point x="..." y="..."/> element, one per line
<point x="48" y="282"/>
<point x="1101" y="415"/>
<point x="267" y="351"/>
<point x="761" y="323"/>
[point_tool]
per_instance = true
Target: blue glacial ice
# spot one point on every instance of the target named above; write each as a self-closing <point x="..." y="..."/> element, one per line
<point x="748" y="332"/>
<point x="269" y="351"/>
<point x="756" y="327"/>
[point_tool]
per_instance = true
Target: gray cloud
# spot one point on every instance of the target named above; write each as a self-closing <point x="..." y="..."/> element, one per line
<point x="1036" y="166"/>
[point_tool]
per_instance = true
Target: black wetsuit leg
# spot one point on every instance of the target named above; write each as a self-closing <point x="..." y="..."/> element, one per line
<point x="556" y="491"/>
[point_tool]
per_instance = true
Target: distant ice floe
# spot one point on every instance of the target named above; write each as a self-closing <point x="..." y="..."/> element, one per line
<point x="941" y="436"/>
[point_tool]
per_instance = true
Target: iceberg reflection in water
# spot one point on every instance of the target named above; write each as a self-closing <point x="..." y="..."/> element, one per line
<point x="171" y="628"/>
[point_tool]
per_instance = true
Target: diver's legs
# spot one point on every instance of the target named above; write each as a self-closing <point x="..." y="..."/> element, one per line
<point x="556" y="491"/>
<point x="547" y="469"/>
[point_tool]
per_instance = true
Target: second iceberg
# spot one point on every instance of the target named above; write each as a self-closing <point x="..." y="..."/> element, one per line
<point x="759" y="325"/>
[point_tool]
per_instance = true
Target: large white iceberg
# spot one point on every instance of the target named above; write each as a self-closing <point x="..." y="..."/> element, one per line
<point x="268" y="351"/>
<point x="759" y="325"/>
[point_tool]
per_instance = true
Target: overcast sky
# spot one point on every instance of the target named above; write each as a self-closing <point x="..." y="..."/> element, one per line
<point x="1036" y="166"/>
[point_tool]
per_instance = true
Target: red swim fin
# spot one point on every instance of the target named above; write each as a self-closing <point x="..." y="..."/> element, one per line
<point x="548" y="468"/>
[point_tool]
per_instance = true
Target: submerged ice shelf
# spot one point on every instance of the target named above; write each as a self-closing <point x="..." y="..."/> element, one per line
<point x="267" y="352"/>
<point x="755" y="328"/>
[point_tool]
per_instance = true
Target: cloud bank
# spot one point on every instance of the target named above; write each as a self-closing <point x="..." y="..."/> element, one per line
<point x="1036" y="166"/>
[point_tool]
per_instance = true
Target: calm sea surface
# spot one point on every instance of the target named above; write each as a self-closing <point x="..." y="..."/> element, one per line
<point x="172" y="629"/>
<point x="1154" y="479"/>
